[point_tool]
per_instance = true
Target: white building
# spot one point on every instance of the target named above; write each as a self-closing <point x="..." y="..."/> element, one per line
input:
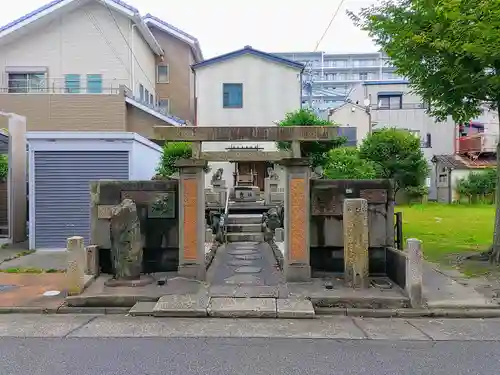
<point x="335" y="75"/>
<point x="245" y="88"/>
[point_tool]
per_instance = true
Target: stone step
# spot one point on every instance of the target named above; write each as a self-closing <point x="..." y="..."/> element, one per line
<point x="244" y="219"/>
<point x="245" y="237"/>
<point x="247" y="203"/>
<point x="234" y="228"/>
<point x="225" y="307"/>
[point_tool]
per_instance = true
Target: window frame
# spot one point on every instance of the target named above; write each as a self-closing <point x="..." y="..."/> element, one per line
<point x="28" y="79"/>
<point x="163" y="65"/>
<point x="389" y="97"/>
<point x="227" y="103"/>
<point x="167" y="108"/>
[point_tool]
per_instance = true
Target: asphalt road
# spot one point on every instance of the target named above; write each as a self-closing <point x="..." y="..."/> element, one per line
<point x="242" y="356"/>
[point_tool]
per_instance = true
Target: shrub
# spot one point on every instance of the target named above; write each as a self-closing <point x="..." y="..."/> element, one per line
<point x="4" y="167"/>
<point x="478" y="186"/>
<point x="345" y="163"/>
<point x="173" y="151"/>
<point x="316" y="151"/>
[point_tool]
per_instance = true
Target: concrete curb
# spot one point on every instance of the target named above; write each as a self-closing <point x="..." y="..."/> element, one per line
<point x="409" y="313"/>
<point x="321" y="312"/>
<point x="64" y="310"/>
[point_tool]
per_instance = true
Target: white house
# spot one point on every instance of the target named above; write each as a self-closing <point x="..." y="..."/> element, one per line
<point x="245" y="88"/>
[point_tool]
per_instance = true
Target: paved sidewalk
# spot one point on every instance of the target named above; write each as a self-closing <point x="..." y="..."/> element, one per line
<point x="18" y="325"/>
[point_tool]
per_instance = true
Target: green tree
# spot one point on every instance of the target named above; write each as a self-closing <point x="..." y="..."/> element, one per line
<point x="449" y="51"/>
<point x="346" y="163"/>
<point x="173" y="151"/>
<point x="397" y="155"/>
<point x="316" y="151"/>
<point x="4" y="167"/>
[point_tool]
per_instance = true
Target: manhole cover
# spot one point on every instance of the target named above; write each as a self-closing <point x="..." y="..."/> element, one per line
<point x="5" y="288"/>
<point x="51" y="293"/>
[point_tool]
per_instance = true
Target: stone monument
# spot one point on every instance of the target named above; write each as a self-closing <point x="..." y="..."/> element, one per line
<point x="271" y="185"/>
<point x="355" y="224"/>
<point x="126" y="246"/>
<point x="219" y="186"/>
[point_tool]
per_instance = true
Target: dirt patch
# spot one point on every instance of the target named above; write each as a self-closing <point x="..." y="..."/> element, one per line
<point x="25" y="290"/>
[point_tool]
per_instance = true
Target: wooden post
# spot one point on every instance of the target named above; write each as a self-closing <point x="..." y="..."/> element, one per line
<point x="76" y="265"/>
<point x="414" y="272"/>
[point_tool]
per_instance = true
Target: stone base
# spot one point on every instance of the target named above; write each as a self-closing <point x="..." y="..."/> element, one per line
<point x="297" y="272"/>
<point x="192" y="271"/>
<point x="143" y="280"/>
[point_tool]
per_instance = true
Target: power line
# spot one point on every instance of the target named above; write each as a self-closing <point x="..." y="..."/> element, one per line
<point x="129" y="47"/>
<point x="329" y="25"/>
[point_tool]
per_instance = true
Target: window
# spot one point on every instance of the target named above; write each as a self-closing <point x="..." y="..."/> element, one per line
<point x="390" y="102"/>
<point x="94" y="83"/>
<point x="26" y="82"/>
<point x="72" y="83"/>
<point x="151" y="99"/>
<point x="232" y="95"/>
<point x="141" y="92"/>
<point x="363" y="76"/>
<point x="162" y="73"/>
<point x="146" y="95"/>
<point x="164" y="104"/>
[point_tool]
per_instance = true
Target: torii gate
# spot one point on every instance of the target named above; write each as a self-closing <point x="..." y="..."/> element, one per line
<point x="16" y="178"/>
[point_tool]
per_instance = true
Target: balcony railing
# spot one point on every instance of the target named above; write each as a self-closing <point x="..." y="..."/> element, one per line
<point x="393" y="107"/>
<point x="62" y="86"/>
<point x="477" y="143"/>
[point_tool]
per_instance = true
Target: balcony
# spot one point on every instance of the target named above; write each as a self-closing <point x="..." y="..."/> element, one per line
<point x="376" y="107"/>
<point x="479" y="143"/>
<point x="35" y="85"/>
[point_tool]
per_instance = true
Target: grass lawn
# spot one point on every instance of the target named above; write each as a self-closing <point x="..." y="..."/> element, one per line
<point x="447" y="229"/>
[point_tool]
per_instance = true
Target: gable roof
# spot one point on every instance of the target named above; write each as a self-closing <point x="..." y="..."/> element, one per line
<point x="461" y="162"/>
<point x="158" y="23"/>
<point x="116" y="5"/>
<point x="248" y="50"/>
<point x="343" y="105"/>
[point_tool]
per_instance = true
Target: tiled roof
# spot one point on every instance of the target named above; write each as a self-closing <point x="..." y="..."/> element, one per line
<point x="50" y="5"/>
<point x="463" y="162"/>
<point x="251" y="51"/>
<point x="166" y="24"/>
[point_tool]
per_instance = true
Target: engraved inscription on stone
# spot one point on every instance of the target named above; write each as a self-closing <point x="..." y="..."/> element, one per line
<point x="161" y="205"/>
<point x="326" y="202"/>
<point x="374" y="195"/>
<point x="104" y="211"/>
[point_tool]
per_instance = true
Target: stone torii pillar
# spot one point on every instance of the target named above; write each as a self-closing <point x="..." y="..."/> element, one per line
<point x="16" y="180"/>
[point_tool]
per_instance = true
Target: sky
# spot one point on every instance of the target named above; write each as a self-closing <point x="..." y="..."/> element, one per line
<point x="222" y="26"/>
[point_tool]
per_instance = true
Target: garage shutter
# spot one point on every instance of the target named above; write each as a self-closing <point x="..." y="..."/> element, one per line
<point x="62" y="191"/>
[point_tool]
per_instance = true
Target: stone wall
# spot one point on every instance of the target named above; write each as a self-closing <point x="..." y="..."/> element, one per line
<point x="158" y="209"/>
<point x="326" y="229"/>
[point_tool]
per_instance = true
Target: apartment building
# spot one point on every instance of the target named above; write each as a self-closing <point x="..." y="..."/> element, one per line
<point x="334" y="76"/>
<point x="96" y="65"/>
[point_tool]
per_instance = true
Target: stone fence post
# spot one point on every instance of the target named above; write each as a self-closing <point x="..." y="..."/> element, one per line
<point x="92" y="260"/>
<point x="414" y="263"/>
<point x="76" y="265"/>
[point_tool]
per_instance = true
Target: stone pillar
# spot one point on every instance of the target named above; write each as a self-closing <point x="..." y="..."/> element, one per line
<point x="75" y="273"/>
<point x="296" y="221"/>
<point x="355" y="223"/>
<point x="92" y="260"/>
<point x="192" y="218"/>
<point x="414" y="272"/>
<point x="270" y="186"/>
